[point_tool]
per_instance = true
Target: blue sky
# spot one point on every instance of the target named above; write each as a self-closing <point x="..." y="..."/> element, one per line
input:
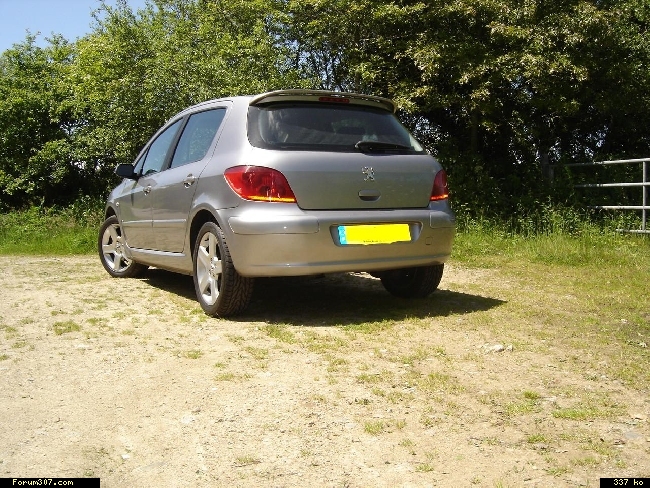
<point x="70" y="18"/>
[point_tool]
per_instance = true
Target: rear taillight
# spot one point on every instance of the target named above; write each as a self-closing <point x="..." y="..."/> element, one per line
<point x="440" y="189"/>
<point x="259" y="184"/>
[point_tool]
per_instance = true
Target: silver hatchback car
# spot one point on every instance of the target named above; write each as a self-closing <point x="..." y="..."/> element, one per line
<point x="286" y="183"/>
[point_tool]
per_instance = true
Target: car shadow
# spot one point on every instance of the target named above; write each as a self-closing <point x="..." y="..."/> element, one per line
<point x="336" y="299"/>
<point x="176" y="283"/>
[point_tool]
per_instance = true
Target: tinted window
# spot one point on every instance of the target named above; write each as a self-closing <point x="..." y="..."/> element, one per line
<point x="159" y="149"/>
<point x="197" y="136"/>
<point x="324" y="127"/>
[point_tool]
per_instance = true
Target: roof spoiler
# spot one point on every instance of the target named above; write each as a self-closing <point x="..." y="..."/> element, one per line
<point x="299" y="95"/>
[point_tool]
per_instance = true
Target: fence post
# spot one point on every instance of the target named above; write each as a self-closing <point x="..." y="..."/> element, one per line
<point x="548" y="170"/>
<point x="646" y="190"/>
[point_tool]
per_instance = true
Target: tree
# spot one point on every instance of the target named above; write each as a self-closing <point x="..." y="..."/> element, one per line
<point x="35" y="125"/>
<point x="135" y="70"/>
<point x="498" y="89"/>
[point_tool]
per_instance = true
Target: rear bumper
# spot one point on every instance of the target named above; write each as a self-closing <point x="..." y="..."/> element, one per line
<point x="268" y="243"/>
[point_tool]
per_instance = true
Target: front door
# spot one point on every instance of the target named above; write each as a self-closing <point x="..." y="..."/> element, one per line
<point x="136" y="202"/>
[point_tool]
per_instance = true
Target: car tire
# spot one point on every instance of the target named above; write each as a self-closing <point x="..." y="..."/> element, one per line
<point x="111" y="246"/>
<point x="412" y="282"/>
<point x="220" y="289"/>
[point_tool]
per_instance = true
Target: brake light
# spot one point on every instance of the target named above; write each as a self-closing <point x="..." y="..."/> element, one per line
<point x="334" y="99"/>
<point x="440" y="189"/>
<point x="259" y="184"/>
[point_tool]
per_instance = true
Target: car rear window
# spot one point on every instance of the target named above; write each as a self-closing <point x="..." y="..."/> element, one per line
<point x="326" y="127"/>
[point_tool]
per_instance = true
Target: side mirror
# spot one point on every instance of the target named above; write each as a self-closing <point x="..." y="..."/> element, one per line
<point x="125" y="170"/>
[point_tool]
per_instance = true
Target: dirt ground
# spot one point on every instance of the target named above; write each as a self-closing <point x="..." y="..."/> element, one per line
<point x="324" y="382"/>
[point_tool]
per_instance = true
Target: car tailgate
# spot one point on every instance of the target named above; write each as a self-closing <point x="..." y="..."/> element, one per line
<point x="329" y="181"/>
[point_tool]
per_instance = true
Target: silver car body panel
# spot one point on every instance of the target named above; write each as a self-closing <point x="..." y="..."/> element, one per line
<point x="134" y="212"/>
<point x="277" y="245"/>
<point x="337" y="181"/>
<point x="286" y="239"/>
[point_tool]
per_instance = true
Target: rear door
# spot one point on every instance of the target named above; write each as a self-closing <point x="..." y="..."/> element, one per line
<point x="174" y="190"/>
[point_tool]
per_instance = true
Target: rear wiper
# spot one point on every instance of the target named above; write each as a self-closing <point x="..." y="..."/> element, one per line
<point x="376" y="146"/>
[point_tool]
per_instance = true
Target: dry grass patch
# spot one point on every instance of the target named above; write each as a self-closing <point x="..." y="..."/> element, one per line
<point x="66" y="327"/>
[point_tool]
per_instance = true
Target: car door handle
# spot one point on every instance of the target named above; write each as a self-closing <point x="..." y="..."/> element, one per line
<point x="189" y="180"/>
<point x="147" y="190"/>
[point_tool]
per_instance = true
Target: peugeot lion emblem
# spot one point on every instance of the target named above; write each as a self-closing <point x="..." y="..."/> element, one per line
<point x="369" y="173"/>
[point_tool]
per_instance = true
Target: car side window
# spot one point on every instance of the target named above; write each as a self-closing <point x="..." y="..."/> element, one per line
<point x="197" y="136"/>
<point x="137" y="167"/>
<point x="159" y="149"/>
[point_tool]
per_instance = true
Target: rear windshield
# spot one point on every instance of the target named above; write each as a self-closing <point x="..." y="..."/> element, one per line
<point x="320" y="127"/>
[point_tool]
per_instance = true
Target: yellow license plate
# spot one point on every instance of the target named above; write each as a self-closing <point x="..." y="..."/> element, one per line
<point x="374" y="234"/>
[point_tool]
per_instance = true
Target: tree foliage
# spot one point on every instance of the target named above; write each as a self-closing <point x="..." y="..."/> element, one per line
<point x="499" y="90"/>
<point x="136" y="70"/>
<point x="34" y="123"/>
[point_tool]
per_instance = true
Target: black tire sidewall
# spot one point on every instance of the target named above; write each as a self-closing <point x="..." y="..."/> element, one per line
<point x="413" y="282"/>
<point x="235" y="291"/>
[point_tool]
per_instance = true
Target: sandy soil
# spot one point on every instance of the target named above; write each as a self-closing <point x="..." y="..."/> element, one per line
<point x="128" y="381"/>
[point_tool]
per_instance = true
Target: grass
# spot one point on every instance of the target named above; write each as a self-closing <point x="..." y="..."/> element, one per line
<point x="580" y="244"/>
<point x="374" y="427"/>
<point x="51" y="231"/>
<point x="246" y="460"/>
<point x="9" y="331"/>
<point x="61" y="328"/>
<point x="193" y="354"/>
<point x="257" y="353"/>
<point x="377" y="427"/>
<point x="428" y="466"/>
<point x="280" y="333"/>
<point x="229" y="376"/>
<point x="587" y="286"/>
<point x="439" y="382"/>
<point x="579" y="413"/>
<point x="337" y="364"/>
<point x="537" y="439"/>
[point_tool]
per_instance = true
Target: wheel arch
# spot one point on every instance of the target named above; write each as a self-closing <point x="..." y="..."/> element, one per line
<point x="109" y="212"/>
<point x="201" y="217"/>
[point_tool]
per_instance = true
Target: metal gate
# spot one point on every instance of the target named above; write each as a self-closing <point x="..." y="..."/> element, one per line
<point x="644" y="185"/>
